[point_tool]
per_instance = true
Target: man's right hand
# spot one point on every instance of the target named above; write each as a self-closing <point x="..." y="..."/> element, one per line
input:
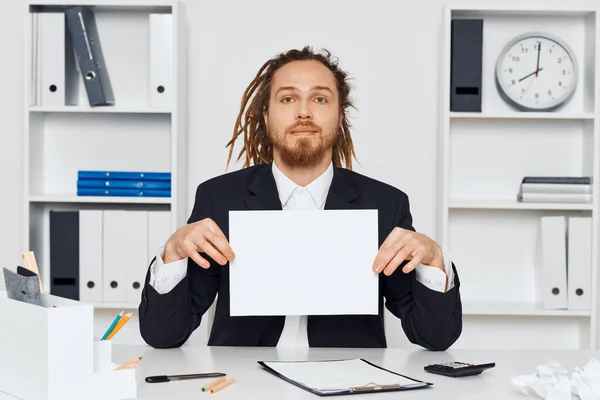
<point x="199" y="237"/>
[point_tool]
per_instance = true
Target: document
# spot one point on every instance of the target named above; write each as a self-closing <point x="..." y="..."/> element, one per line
<point x="341" y="376"/>
<point x="303" y="262"/>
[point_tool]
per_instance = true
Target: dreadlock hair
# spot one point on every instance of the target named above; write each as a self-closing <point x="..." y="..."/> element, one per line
<point x="250" y="122"/>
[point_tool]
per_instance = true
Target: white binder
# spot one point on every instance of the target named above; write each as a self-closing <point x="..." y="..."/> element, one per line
<point x="51" y="37"/>
<point x="551" y="262"/>
<point x="90" y="256"/>
<point x="159" y="231"/>
<point x="57" y="79"/>
<point x="160" y="58"/>
<point x="125" y="254"/>
<point x="579" y="263"/>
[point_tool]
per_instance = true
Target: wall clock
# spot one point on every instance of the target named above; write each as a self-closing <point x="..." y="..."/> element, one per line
<point x="536" y="72"/>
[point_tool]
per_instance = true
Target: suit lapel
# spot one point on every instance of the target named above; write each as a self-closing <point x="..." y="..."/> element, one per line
<point x="341" y="193"/>
<point x="263" y="191"/>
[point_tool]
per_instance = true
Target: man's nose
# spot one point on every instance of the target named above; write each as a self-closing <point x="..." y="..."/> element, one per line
<point x="304" y="111"/>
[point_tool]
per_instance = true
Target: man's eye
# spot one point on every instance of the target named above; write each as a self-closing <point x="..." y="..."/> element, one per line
<point x="287" y="100"/>
<point x="321" y="100"/>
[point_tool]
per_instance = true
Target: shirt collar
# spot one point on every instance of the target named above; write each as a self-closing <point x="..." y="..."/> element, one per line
<point x="318" y="189"/>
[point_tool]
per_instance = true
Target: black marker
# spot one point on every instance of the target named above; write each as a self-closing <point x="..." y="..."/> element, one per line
<point x="169" y="378"/>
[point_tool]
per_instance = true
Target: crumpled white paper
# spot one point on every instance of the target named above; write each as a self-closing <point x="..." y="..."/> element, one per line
<point x="552" y="382"/>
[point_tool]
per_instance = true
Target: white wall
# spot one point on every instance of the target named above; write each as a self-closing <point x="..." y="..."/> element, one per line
<point x="390" y="48"/>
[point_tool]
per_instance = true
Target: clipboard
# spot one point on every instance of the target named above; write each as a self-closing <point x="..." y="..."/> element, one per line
<point x="393" y="381"/>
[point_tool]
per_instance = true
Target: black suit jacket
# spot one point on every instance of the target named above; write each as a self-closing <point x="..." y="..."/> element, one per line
<point x="430" y="319"/>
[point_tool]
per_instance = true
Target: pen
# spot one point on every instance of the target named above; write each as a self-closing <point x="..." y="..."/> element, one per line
<point x="168" y="378"/>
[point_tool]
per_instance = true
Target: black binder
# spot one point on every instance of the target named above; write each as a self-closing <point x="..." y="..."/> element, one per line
<point x="84" y="36"/>
<point x="64" y="254"/>
<point x="370" y="387"/>
<point x="466" y="65"/>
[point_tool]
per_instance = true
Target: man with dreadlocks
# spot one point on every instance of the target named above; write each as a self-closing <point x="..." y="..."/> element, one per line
<point x="298" y="155"/>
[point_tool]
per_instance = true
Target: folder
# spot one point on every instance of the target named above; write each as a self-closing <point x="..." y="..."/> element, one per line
<point x="130" y="175"/>
<point x="551" y="260"/>
<point x="125" y="254"/>
<point x="579" y="263"/>
<point x="341" y="377"/>
<point x="90" y="256"/>
<point x="84" y="35"/>
<point x="159" y="231"/>
<point x="160" y="53"/>
<point x="55" y="65"/>
<point x="64" y="254"/>
<point x="122" y="184"/>
<point x="466" y="64"/>
<point x="124" y="192"/>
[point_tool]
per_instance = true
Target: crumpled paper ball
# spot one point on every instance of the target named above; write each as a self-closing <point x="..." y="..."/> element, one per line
<point x="552" y="382"/>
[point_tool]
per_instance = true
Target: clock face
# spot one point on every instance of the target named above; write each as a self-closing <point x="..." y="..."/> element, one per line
<point x="536" y="72"/>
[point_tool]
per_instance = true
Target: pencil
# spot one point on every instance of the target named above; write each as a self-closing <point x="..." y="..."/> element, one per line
<point x="213" y="384"/>
<point x="119" y="325"/>
<point x="117" y="318"/>
<point x="28" y="258"/>
<point x="129" y="364"/>
<point x="222" y="385"/>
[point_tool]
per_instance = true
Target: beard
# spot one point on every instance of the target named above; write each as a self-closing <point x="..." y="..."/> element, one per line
<point x="304" y="152"/>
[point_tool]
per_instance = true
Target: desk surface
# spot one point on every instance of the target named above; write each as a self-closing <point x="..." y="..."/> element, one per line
<point x="253" y="382"/>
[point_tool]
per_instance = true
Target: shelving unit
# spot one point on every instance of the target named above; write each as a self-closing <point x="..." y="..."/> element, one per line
<point x="132" y="135"/>
<point x="483" y="158"/>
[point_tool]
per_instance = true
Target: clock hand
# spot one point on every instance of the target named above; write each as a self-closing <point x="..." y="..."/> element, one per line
<point x="533" y="73"/>
<point x="528" y="87"/>
<point x="537" y="69"/>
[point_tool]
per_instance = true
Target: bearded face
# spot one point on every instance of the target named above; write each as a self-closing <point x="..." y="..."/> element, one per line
<point x="303" y="116"/>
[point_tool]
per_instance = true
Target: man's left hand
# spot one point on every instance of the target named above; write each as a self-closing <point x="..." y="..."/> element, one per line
<point x="403" y="244"/>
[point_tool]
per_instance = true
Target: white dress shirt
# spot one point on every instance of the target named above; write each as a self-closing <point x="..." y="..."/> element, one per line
<point x="294" y="197"/>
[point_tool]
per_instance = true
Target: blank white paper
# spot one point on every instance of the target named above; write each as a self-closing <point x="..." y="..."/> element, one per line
<point x="303" y="262"/>
<point x="337" y="376"/>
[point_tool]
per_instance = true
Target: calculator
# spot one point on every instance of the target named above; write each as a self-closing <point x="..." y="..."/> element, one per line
<point x="457" y="369"/>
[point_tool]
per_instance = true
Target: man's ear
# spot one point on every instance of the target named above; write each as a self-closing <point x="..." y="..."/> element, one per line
<point x="266" y="117"/>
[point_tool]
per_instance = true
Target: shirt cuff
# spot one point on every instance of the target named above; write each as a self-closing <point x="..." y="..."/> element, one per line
<point x="434" y="278"/>
<point x="164" y="277"/>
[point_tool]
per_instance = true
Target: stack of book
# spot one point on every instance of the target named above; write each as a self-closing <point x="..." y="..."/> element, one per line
<point x="547" y="189"/>
<point x="123" y="183"/>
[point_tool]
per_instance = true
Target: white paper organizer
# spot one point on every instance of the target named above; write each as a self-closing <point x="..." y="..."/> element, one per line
<point x="49" y="353"/>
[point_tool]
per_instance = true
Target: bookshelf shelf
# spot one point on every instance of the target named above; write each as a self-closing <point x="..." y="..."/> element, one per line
<point x="521" y="115"/>
<point x="66" y="198"/>
<point x="484" y="156"/>
<point x="120" y="306"/>
<point x="108" y="109"/>
<point x="473" y="307"/>
<point x="515" y="205"/>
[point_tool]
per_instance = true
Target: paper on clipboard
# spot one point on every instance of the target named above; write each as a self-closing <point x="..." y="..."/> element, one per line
<point x="341" y="376"/>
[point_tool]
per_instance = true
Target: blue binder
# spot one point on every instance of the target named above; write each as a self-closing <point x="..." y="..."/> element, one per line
<point x="122" y="184"/>
<point x="81" y="25"/>
<point x="138" y="175"/>
<point x="123" y="192"/>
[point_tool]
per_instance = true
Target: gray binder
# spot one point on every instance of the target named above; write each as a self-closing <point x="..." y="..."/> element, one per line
<point x="83" y="32"/>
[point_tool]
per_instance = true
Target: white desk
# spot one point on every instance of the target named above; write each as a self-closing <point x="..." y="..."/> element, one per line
<point x="254" y="383"/>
